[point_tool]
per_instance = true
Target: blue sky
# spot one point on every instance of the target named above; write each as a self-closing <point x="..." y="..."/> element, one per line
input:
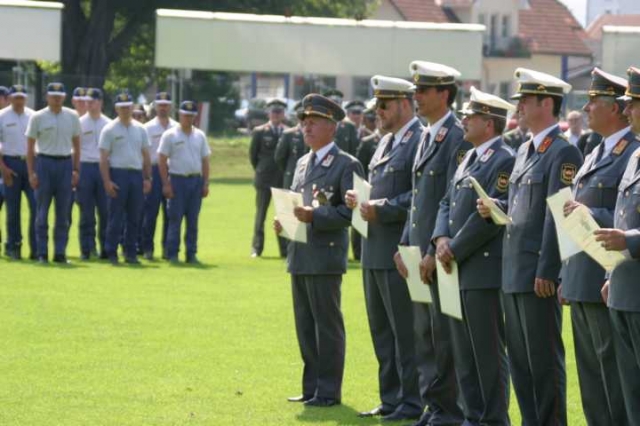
<point x="578" y="7"/>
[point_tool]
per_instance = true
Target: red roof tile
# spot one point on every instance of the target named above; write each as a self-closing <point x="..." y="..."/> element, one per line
<point x="594" y="30"/>
<point x="420" y="10"/>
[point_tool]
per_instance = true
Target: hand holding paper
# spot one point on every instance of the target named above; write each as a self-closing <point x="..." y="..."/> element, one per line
<point x="285" y="202"/>
<point x="498" y="216"/>
<point x="362" y="189"/>
<point x="411" y="257"/>
<point x="449" y="290"/>
<point x="568" y="247"/>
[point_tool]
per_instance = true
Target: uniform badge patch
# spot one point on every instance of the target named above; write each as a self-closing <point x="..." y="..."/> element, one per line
<point x="441" y="134"/>
<point x="327" y="161"/>
<point x="567" y="173"/>
<point x="502" y="183"/>
<point x="407" y="136"/>
<point x="486" y="156"/>
<point x="460" y="156"/>
<point x="620" y="146"/>
<point x="546" y="143"/>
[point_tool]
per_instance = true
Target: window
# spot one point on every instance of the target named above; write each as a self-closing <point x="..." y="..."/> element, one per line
<point x="506" y="26"/>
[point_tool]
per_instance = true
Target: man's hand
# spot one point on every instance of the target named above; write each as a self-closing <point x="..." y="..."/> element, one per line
<point x="368" y="212"/>
<point x="167" y="190"/>
<point x="304" y="214"/>
<point x="351" y="199"/>
<point x="483" y="210"/>
<point x="75" y="177"/>
<point x="400" y="266"/>
<point x="427" y="268"/>
<point x="544" y="288"/>
<point x="561" y="299"/>
<point x="146" y="186"/>
<point x="611" y="239"/>
<point x="205" y="190"/>
<point x="444" y="253"/>
<point x="277" y="226"/>
<point x="111" y="189"/>
<point x="7" y="176"/>
<point x="604" y="292"/>
<point x="569" y="207"/>
<point x="33" y="181"/>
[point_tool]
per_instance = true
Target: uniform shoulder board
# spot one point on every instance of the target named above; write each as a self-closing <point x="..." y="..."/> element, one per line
<point x="502" y="184"/>
<point x="620" y="147"/>
<point x="460" y="156"/>
<point x="407" y="136"/>
<point x="563" y="136"/>
<point x="567" y="173"/>
<point x="486" y="155"/>
<point x="546" y="143"/>
<point x="441" y="134"/>
<point x="328" y="160"/>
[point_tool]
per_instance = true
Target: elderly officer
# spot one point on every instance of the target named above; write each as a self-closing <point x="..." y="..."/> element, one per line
<point x="267" y="174"/>
<point x="621" y="289"/>
<point x="53" y="132"/>
<point x="91" y="197"/>
<point x="323" y="177"/>
<point x="596" y="187"/>
<point x="531" y="260"/>
<point x="13" y="165"/>
<point x="387" y="297"/>
<point x="461" y="235"/>
<point x="125" y="167"/>
<point x="440" y="150"/>
<point x="290" y="149"/>
<point x="152" y="202"/>
<point x="346" y="134"/>
<point x="184" y="169"/>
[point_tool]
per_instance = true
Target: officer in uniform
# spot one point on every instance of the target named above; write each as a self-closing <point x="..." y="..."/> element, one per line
<point x="355" y="110"/>
<point x="621" y="289"/>
<point x="386" y="293"/>
<point x="596" y="187"/>
<point x="154" y="199"/>
<point x="346" y="134"/>
<point x="290" y="149"/>
<point x="183" y="160"/>
<point x="440" y="151"/>
<point x="372" y="135"/>
<point x="516" y="137"/>
<point x="531" y="260"/>
<point x="267" y="174"/>
<point x="4" y="101"/>
<point x="53" y="133"/>
<point x="461" y="235"/>
<point x="139" y="114"/>
<point x="125" y="167"/>
<point x="323" y="177"/>
<point x="13" y="165"/>
<point x="91" y="197"/>
<point x="79" y="100"/>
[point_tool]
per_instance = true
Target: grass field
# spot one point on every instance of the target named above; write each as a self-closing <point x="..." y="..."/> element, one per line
<point x="93" y="344"/>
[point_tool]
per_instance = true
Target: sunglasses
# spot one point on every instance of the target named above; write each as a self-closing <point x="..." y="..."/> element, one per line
<point x="384" y="105"/>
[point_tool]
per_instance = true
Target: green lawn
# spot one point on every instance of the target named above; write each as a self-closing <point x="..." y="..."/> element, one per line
<point x="92" y="344"/>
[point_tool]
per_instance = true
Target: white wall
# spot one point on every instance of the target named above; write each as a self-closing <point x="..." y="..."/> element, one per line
<point x="620" y="48"/>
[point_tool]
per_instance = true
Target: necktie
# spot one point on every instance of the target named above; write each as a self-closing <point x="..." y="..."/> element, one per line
<point x="425" y="143"/>
<point x="472" y="160"/>
<point x="599" y="154"/>
<point x="389" y="146"/>
<point x="311" y="163"/>
<point x="531" y="150"/>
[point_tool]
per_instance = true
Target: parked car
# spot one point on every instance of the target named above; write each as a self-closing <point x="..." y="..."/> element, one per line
<point x="251" y="113"/>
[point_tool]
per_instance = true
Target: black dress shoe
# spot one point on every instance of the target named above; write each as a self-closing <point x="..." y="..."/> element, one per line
<point x="193" y="260"/>
<point x="378" y="411"/>
<point x="424" y="419"/>
<point x="318" y="401"/>
<point x="85" y="256"/>
<point x="104" y="255"/>
<point x="397" y="416"/>
<point x="60" y="258"/>
<point x="113" y="260"/>
<point x="132" y="260"/>
<point x="300" y="398"/>
<point x="33" y="256"/>
<point x="43" y="259"/>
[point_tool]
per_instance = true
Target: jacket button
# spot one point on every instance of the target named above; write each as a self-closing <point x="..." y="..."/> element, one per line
<point x="413" y="224"/>
<point x="580" y="185"/>
<point x="419" y="174"/>
<point x="450" y="222"/>
<point x="453" y="204"/>
<point x="302" y="190"/>
<point x="486" y="254"/>
<point x="599" y="184"/>
<point x="415" y="191"/>
<point x="414" y="208"/>
<point x="539" y="252"/>
<point x="508" y="235"/>
<point x="626" y="194"/>
<point x="457" y="186"/>
<point x="390" y="169"/>
<point x="431" y="172"/>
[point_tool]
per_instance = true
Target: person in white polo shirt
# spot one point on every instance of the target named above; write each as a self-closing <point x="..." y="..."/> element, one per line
<point x="183" y="160"/>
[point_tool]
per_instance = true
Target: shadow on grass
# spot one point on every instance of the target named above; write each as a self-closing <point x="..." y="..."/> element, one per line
<point x="232" y="180"/>
<point x="202" y="266"/>
<point x="341" y="415"/>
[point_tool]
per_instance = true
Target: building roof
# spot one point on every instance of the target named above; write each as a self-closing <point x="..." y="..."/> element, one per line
<point x="548" y="25"/>
<point x="594" y="30"/>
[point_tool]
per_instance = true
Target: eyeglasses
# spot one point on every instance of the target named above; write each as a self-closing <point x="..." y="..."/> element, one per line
<point x="384" y="105"/>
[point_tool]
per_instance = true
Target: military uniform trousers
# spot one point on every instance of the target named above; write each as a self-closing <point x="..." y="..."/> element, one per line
<point x="263" y="198"/>
<point x="356" y="244"/>
<point x="321" y="334"/>
<point x="92" y="200"/>
<point x="13" y="196"/>
<point x="626" y="339"/>
<point x="391" y="325"/>
<point x="536" y="357"/>
<point x="54" y="177"/>
<point x="602" y="400"/>
<point x="438" y="387"/>
<point x="186" y="203"/>
<point x="152" y="203"/>
<point x="479" y="352"/>
<point x="127" y="205"/>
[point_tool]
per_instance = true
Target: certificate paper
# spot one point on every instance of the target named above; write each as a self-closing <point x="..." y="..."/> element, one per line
<point x="568" y="247"/>
<point x="419" y="291"/>
<point x="285" y="201"/>
<point x="498" y="216"/>
<point x="449" y="290"/>
<point x="363" y="192"/>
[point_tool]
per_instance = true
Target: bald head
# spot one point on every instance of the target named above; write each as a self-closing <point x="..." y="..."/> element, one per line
<point x="574" y="118"/>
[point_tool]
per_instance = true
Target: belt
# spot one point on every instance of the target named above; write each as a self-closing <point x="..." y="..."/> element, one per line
<point x="16" y="157"/>
<point x="127" y="169"/>
<point x="55" y="157"/>
<point x="190" y="175"/>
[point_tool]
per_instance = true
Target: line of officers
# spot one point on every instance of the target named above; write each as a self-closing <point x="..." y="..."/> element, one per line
<point x="435" y="369"/>
<point x="118" y="171"/>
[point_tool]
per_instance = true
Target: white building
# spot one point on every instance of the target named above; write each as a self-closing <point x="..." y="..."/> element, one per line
<point x="596" y="8"/>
